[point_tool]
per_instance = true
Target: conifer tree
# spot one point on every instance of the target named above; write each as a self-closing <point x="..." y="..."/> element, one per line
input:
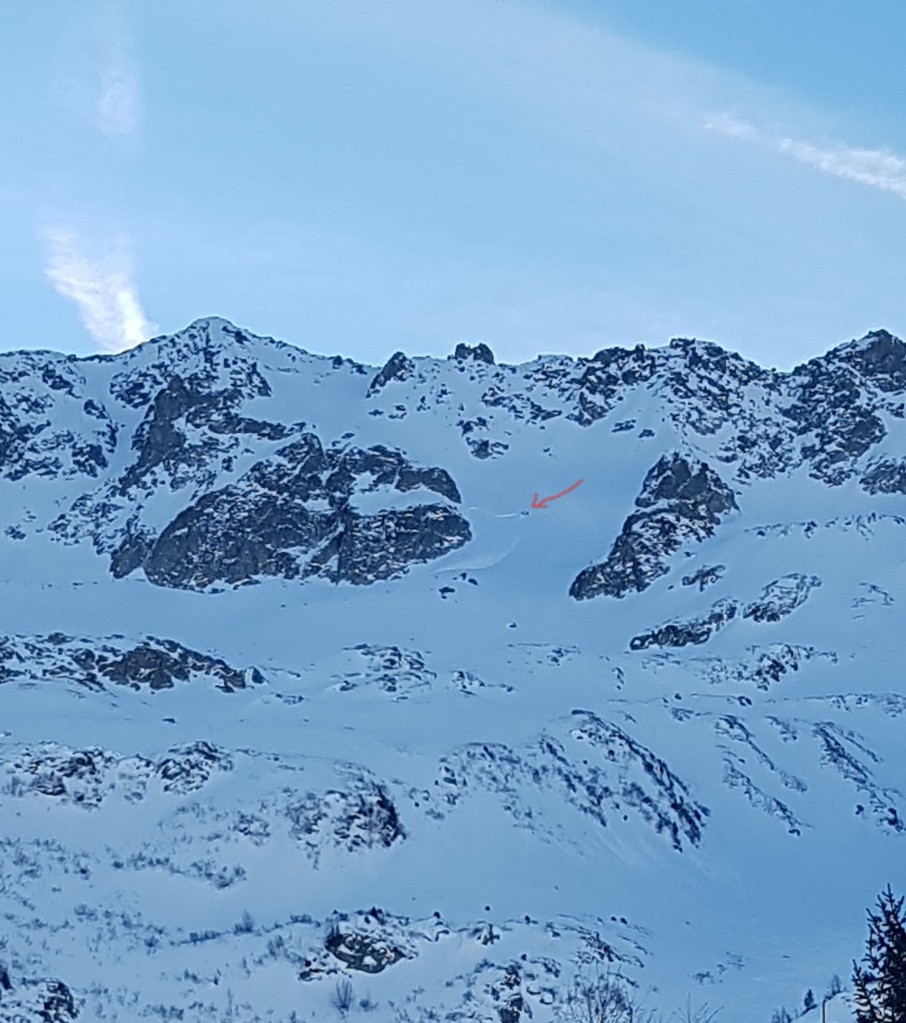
<point x="880" y="984"/>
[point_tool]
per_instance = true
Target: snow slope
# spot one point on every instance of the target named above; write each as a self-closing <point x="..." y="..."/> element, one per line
<point x="299" y="688"/>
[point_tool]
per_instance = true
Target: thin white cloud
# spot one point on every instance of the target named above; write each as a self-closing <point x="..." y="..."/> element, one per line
<point x="731" y="127"/>
<point x="103" y="290"/>
<point x="116" y="94"/>
<point x="117" y="106"/>
<point x="874" y="168"/>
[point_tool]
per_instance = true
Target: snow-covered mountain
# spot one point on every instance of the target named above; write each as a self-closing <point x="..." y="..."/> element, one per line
<point x="310" y="697"/>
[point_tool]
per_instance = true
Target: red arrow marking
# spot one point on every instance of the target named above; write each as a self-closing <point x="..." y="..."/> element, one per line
<point x="544" y="501"/>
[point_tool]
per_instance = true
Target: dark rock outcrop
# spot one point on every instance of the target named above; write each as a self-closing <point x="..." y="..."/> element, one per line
<point x="781" y="597"/>
<point x="37" y="1001"/>
<point x="680" y="500"/>
<point x="189" y="432"/>
<point x="362" y="952"/>
<point x="881" y="358"/>
<point x="231" y="423"/>
<point x="707" y="575"/>
<point x="438" y="480"/>
<point x="232" y="536"/>
<point x="398" y="367"/>
<point x="382" y="546"/>
<point x="885" y="476"/>
<point x="696" y="630"/>
<point x="838" y="399"/>
<point x="292" y="516"/>
<point x="477" y="353"/>
<point x="188" y="768"/>
<point x="361" y="817"/>
<point x="155" y="663"/>
<point x="593" y="765"/>
<point x="131" y="552"/>
<point x="605" y="376"/>
<point x="760" y="666"/>
<point x="771" y="664"/>
<point x="211" y="356"/>
<point x="48" y="425"/>
<point x="87" y="777"/>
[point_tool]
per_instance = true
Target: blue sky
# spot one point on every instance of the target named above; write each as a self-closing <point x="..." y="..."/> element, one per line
<point x="544" y="175"/>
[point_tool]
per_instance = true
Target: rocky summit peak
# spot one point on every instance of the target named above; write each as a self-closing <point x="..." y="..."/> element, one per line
<point x="477" y="353"/>
<point x="880" y="357"/>
<point x="209" y="340"/>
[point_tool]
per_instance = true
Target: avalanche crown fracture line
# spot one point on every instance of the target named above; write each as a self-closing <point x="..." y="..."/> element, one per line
<point x="544" y="501"/>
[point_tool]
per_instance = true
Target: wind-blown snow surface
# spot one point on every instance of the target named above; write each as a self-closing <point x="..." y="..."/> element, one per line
<point x="298" y="688"/>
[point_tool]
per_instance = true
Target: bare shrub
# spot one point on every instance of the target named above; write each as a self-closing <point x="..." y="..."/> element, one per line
<point x="343" y="996"/>
<point x="604" y="999"/>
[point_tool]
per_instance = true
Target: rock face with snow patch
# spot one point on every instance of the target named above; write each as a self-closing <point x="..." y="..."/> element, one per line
<point x="781" y="597"/>
<point x="698" y="630"/>
<point x="112" y="660"/>
<point x="885" y="476"/>
<point x="840" y="401"/>
<point x="359" y="818"/>
<point x="477" y="353"/>
<point x="397" y="367"/>
<point x="293" y="515"/>
<point x="624" y="779"/>
<point x="41" y="1001"/>
<point x="679" y="502"/>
